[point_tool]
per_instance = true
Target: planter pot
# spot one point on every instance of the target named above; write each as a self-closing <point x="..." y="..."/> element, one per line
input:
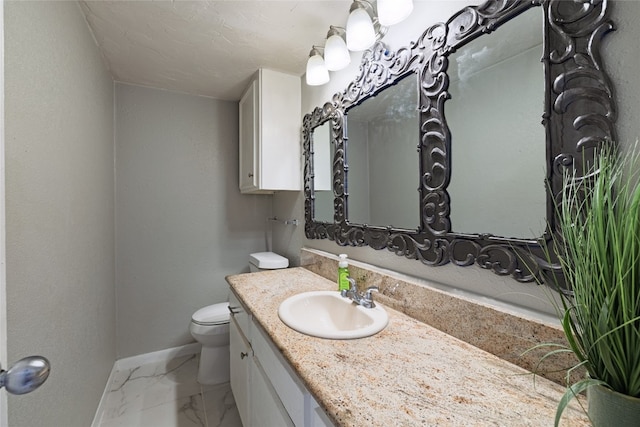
<point x="610" y="408"/>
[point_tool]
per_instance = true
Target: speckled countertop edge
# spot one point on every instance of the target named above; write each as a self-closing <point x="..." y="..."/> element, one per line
<point x="409" y="374"/>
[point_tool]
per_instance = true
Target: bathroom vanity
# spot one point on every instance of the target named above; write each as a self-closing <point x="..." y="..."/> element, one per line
<point x="408" y="374"/>
<point x="267" y="391"/>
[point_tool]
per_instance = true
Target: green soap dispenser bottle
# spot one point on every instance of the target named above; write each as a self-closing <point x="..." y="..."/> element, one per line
<point x="343" y="273"/>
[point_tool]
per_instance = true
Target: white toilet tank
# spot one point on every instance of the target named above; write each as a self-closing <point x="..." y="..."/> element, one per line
<point x="267" y="261"/>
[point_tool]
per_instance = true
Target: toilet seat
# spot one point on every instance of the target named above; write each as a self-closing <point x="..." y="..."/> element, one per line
<point x="216" y="314"/>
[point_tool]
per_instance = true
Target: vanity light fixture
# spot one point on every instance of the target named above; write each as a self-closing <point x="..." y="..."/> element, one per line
<point x="367" y="22"/>
<point x="391" y="12"/>
<point x="336" y="54"/>
<point x="363" y="28"/>
<point x="317" y="73"/>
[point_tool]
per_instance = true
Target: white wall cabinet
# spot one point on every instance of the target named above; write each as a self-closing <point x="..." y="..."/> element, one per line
<point x="270" y="124"/>
<point x="266" y="389"/>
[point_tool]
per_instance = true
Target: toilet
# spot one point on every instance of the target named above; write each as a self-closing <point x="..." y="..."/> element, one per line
<point x="210" y="326"/>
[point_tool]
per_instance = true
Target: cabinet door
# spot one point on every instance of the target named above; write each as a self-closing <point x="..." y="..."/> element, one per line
<point x="249" y="160"/>
<point x="266" y="408"/>
<point x="280" y="375"/>
<point x="279" y="131"/>
<point x="240" y="359"/>
<point x="315" y="415"/>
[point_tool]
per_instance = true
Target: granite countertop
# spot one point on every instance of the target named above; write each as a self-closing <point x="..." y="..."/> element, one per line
<point x="407" y="375"/>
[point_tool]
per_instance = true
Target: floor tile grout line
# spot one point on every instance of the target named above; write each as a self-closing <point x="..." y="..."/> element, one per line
<point x="204" y="407"/>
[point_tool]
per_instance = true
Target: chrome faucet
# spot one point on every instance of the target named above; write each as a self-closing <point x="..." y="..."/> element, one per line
<point x="365" y="300"/>
<point x="352" y="292"/>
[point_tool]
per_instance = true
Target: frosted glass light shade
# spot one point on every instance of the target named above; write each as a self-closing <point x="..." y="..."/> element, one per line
<point x="317" y="73"/>
<point x="336" y="54"/>
<point x="391" y="12"/>
<point x="360" y="32"/>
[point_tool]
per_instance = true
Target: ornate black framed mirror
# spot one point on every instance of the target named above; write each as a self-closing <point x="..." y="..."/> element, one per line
<point x="576" y="114"/>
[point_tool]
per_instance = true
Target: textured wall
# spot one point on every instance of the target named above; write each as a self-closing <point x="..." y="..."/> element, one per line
<point x="59" y="210"/>
<point x="182" y="224"/>
<point x="621" y="62"/>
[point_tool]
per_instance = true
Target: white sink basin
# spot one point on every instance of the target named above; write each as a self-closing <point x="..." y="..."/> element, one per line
<point x="326" y="314"/>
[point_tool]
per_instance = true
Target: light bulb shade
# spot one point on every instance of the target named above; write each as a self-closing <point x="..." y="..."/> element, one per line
<point x="317" y="73"/>
<point x="391" y="12"/>
<point x="336" y="54"/>
<point x="360" y="32"/>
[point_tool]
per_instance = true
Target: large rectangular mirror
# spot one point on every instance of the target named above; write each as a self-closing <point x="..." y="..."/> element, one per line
<point x="508" y="148"/>
<point x="498" y="145"/>
<point x="323" y="154"/>
<point x="383" y="177"/>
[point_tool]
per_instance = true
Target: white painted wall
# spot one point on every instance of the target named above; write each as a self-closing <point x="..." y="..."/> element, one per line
<point x="622" y="63"/>
<point x="182" y="224"/>
<point x="59" y="210"/>
<point x="4" y="422"/>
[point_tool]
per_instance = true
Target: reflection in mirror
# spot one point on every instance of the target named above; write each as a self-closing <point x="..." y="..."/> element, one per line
<point x="323" y="153"/>
<point x="498" y="141"/>
<point x="383" y="177"/>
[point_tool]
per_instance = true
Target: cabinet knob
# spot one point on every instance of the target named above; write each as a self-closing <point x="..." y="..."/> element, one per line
<point x="250" y="175"/>
<point x="243" y="355"/>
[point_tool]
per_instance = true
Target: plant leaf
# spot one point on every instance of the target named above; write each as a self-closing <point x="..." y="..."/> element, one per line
<point x="572" y="392"/>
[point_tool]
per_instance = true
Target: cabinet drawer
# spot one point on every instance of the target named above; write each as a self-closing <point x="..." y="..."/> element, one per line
<point x="281" y="376"/>
<point x="240" y="315"/>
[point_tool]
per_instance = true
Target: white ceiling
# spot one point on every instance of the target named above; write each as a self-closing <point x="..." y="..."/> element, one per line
<point x="208" y="47"/>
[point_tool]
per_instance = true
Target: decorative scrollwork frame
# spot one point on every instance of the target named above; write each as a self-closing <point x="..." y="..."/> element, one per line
<point x="578" y="116"/>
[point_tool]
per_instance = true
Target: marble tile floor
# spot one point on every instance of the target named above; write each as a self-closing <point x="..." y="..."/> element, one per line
<point x="167" y="394"/>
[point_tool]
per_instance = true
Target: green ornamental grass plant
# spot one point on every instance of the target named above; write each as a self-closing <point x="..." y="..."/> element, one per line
<point x="599" y="250"/>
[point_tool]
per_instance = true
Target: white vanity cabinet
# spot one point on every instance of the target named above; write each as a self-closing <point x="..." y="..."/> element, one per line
<point x="270" y="133"/>
<point x="266" y="389"/>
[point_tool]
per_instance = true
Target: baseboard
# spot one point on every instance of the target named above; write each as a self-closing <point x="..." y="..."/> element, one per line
<point x="97" y="418"/>
<point x="141" y="359"/>
<point x="157" y="356"/>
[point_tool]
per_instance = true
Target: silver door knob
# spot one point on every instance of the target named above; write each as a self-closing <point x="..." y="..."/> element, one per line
<point x="25" y="375"/>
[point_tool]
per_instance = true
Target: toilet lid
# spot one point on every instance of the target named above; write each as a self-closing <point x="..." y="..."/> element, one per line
<point x="268" y="260"/>
<point x="215" y="314"/>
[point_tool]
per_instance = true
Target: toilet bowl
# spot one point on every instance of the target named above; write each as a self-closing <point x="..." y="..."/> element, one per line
<point x="210" y="326"/>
